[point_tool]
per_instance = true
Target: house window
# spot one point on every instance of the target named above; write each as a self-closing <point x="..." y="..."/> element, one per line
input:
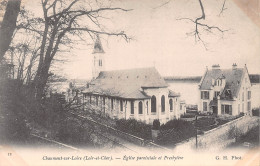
<point x="121" y="105"/>
<point x="153" y="104"/>
<point x="140" y="107"/>
<point x="249" y="95"/>
<point x="243" y="96"/>
<point x="243" y="107"/>
<point x="238" y="108"/>
<point x="205" y="106"/>
<point x="222" y="109"/>
<point x="112" y="103"/>
<point x="163" y="103"/>
<point x="89" y="99"/>
<point x="226" y="109"/>
<point x="249" y="106"/>
<point x="171" y="104"/>
<point x="132" y="107"/>
<point x="96" y="100"/>
<point x="100" y="62"/>
<point x="216" y="93"/>
<point x="180" y="107"/>
<point x="204" y="94"/>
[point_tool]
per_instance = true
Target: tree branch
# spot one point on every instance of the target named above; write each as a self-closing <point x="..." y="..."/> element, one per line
<point x="196" y="33"/>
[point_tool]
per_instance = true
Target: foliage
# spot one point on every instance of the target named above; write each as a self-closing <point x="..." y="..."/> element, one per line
<point x="175" y="131"/>
<point x="71" y="131"/>
<point x="252" y="136"/>
<point x="134" y="127"/>
<point x="188" y="115"/>
<point x="13" y="117"/>
<point x="205" y="121"/>
<point x="156" y="124"/>
<point x="255" y="111"/>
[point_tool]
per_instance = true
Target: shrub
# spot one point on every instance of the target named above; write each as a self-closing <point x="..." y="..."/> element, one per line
<point x="187" y="115"/>
<point x="255" y="111"/>
<point x="71" y="131"/>
<point x="177" y="124"/>
<point x="156" y="124"/>
<point x="134" y="127"/>
<point x="175" y="131"/>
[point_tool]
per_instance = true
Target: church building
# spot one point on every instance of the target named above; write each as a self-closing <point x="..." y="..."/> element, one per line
<point x="139" y="93"/>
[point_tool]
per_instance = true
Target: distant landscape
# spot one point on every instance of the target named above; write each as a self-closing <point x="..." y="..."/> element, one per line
<point x="254" y="78"/>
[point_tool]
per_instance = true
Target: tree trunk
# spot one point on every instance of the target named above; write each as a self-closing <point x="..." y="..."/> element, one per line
<point x="8" y="25"/>
<point x="41" y="79"/>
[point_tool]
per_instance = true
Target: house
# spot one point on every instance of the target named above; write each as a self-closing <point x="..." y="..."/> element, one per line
<point x="225" y="91"/>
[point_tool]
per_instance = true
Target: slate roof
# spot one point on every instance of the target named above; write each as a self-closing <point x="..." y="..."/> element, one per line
<point x="126" y="83"/>
<point x="233" y="79"/>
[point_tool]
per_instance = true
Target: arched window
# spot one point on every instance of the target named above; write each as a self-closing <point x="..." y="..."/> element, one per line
<point x="132" y="107"/>
<point x="140" y="107"/>
<point x="104" y="103"/>
<point x="171" y="104"/>
<point x="121" y="105"/>
<point x="153" y="104"/>
<point x="112" y="103"/>
<point x="163" y="103"/>
<point x="147" y="107"/>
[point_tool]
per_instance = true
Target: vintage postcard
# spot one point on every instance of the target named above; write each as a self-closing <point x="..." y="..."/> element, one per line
<point x="129" y="82"/>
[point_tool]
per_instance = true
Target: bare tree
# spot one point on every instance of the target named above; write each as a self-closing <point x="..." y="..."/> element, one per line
<point x="24" y="55"/>
<point x="199" y="26"/>
<point x="8" y="25"/>
<point x="62" y="21"/>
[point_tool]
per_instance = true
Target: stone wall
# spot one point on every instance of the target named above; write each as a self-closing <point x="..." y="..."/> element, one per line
<point x="220" y="137"/>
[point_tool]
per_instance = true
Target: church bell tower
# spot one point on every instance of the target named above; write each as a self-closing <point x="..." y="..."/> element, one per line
<point x="98" y="58"/>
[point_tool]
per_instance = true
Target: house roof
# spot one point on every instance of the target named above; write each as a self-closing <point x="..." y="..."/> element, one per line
<point x="233" y="79"/>
<point x="126" y="83"/>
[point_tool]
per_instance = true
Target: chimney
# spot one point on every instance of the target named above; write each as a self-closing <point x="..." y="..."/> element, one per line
<point x="234" y="66"/>
<point x="215" y="67"/>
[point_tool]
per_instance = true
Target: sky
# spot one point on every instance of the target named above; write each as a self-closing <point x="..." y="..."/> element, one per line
<point x="159" y="39"/>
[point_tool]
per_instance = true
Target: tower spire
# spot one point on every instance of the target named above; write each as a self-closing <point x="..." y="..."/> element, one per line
<point x="98" y="58"/>
<point x="98" y="46"/>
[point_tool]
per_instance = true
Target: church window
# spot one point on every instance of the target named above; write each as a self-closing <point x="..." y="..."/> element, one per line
<point x="112" y="103"/>
<point x="140" y="107"/>
<point x="132" y="107"/>
<point x="163" y="103"/>
<point x="171" y="104"/>
<point x="153" y="104"/>
<point x="121" y="105"/>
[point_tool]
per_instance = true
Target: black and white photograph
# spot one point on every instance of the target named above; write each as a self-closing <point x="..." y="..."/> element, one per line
<point x="129" y="82"/>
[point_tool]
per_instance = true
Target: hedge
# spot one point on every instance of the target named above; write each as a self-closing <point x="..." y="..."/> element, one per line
<point x="134" y="127"/>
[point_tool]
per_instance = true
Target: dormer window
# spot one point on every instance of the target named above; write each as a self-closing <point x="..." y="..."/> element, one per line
<point x="218" y="82"/>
